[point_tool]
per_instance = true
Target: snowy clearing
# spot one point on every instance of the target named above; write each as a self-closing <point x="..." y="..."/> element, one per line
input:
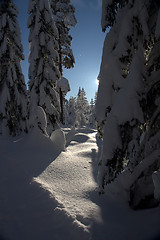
<point x="49" y="194"/>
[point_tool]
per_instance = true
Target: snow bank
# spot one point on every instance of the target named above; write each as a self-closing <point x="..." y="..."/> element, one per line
<point x="70" y="134"/>
<point x="50" y="195"/>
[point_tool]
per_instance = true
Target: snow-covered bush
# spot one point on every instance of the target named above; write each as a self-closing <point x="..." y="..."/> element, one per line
<point x="127" y="100"/>
<point x="13" y="97"/>
<point x="43" y="59"/>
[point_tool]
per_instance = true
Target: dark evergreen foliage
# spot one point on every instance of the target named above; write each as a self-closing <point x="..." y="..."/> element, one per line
<point x="13" y="96"/>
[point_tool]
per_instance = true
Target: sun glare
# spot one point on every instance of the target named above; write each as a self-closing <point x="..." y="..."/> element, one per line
<point x="97" y="82"/>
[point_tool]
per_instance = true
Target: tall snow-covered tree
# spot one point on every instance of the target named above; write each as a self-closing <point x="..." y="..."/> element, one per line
<point x="13" y="97"/>
<point x="123" y="96"/>
<point x="147" y="172"/>
<point x="43" y="58"/>
<point x="82" y="109"/>
<point x="92" y="117"/>
<point x="64" y="16"/>
<point x="70" y="107"/>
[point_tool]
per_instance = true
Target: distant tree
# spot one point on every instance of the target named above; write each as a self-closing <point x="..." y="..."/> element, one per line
<point x="13" y="96"/>
<point x="43" y="58"/>
<point x="82" y="109"/>
<point x="64" y="16"/>
<point x="65" y="113"/>
<point x="124" y="110"/>
<point x="92" y="116"/>
<point x="70" y="118"/>
<point x="95" y="98"/>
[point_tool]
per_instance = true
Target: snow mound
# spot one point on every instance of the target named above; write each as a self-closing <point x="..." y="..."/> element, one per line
<point x="63" y="83"/>
<point x="69" y="179"/>
<point x="70" y="134"/>
<point x="38" y="119"/>
<point x="58" y="137"/>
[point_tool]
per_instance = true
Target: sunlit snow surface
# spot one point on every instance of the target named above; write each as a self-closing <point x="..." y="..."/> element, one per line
<point x="71" y="179"/>
<point x="48" y="194"/>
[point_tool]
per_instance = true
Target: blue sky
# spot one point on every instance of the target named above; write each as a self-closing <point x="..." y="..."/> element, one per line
<point x="87" y="45"/>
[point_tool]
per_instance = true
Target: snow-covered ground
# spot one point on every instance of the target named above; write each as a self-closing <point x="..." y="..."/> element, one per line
<point x="46" y="193"/>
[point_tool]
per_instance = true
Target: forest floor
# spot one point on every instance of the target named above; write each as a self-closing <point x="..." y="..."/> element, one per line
<point x="46" y="193"/>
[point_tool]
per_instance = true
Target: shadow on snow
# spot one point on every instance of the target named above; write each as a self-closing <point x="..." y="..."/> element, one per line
<point x="26" y="210"/>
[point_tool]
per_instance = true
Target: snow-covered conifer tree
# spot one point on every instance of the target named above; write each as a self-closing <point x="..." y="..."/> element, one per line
<point x="64" y="16"/>
<point x="82" y="109"/>
<point x="92" y="117"/>
<point x="71" y="112"/>
<point x="147" y="171"/>
<point x="121" y="102"/>
<point x="43" y="71"/>
<point x="13" y="97"/>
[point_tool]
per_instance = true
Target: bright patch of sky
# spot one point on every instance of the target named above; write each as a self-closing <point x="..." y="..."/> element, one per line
<point x="87" y="45"/>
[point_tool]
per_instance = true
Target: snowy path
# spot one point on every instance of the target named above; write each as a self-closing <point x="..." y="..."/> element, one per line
<point x="70" y="178"/>
<point x="47" y="194"/>
<point x="44" y="193"/>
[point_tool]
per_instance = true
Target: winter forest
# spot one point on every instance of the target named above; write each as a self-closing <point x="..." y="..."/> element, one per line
<point x="73" y="169"/>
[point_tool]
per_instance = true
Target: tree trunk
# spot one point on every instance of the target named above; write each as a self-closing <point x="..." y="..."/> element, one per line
<point x="61" y="72"/>
<point x="61" y="104"/>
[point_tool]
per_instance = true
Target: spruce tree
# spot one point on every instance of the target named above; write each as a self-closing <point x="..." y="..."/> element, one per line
<point x="13" y="97"/>
<point x="147" y="172"/>
<point x="82" y="109"/>
<point x="124" y="108"/>
<point x="71" y="112"/>
<point x="92" y="117"/>
<point x="43" y="72"/>
<point x="64" y="16"/>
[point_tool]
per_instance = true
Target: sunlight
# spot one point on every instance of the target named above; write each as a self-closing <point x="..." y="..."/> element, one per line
<point x="97" y="82"/>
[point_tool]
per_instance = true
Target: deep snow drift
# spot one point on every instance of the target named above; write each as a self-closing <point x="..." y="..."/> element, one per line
<point x="47" y="193"/>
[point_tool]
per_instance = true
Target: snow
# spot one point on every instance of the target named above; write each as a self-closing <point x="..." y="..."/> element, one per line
<point x="104" y="10"/>
<point x="65" y="13"/>
<point x="58" y="137"/>
<point x="127" y="100"/>
<point x="13" y="89"/>
<point x="4" y="20"/>
<point x="49" y="194"/>
<point x="156" y="181"/>
<point x="43" y="71"/>
<point x="42" y="39"/>
<point x="157" y="30"/>
<point x="38" y="119"/>
<point x="63" y="84"/>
